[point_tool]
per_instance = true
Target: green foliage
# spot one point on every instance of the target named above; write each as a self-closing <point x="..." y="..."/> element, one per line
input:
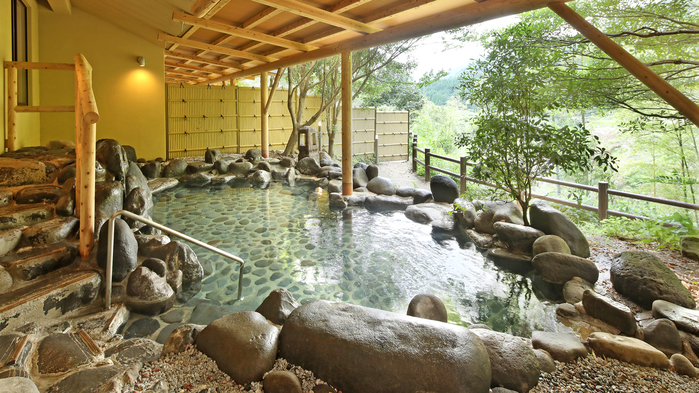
<point x="646" y="231"/>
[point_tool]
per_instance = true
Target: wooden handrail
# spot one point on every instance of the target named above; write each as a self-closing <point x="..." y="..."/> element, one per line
<point x="25" y="65"/>
<point x="44" y="108"/>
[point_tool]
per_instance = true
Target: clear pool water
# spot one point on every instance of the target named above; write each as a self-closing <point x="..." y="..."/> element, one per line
<point x="290" y="239"/>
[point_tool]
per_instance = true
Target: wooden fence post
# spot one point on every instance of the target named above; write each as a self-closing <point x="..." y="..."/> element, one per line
<point x="603" y="200"/>
<point x="427" y="164"/>
<point x="462" y="173"/>
<point x="414" y="153"/>
<point x="11" y="142"/>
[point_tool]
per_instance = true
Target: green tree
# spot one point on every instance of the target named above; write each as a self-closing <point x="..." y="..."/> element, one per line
<point x="514" y="140"/>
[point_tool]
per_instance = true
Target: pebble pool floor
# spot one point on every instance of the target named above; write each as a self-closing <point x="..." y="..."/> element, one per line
<point x="290" y="239"/>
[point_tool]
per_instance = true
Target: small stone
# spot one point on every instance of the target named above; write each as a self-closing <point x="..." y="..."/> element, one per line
<point x="627" y="349"/>
<point x="282" y="382"/>
<point x="563" y="347"/>
<point x="573" y="290"/>
<point x="546" y="363"/>
<point x="683" y="366"/>
<point x="609" y="311"/>
<point x="181" y="338"/>
<point x="427" y="306"/>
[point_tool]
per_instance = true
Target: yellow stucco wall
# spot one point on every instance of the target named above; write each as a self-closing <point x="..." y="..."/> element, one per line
<point x="28" y="128"/>
<point x="130" y="99"/>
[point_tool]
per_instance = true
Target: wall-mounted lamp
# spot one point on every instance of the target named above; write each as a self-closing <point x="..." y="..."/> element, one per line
<point x="141" y="61"/>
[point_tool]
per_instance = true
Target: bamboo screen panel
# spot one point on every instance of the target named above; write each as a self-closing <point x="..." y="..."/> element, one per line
<point x="393" y="129"/>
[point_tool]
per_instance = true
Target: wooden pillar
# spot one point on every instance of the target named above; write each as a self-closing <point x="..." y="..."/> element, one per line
<point x="264" y="124"/>
<point x="11" y="142"/>
<point x="347" y="123"/>
<point x="427" y="165"/>
<point x="78" y="145"/>
<point x="602" y="200"/>
<point x="659" y="85"/>
<point x="462" y="173"/>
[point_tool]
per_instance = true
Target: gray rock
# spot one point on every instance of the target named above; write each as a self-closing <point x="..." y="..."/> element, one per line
<point x="386" y="203"/>
<point x="52" y="231"/>
<point x="315" y="333"/>
<point x="627" y="349"/>
<point x="134" y="179"/>
<point x="113" y="158"/>
<point x="690" y="247"/>
<point x="135" y="351"/>
<point x="179" y="256"/>
<point x="444" y="189"/>
<point x="198" y="166"/>
<point x="6" y="280"/>
<point x="148" y="293"/>
<point x="491" y="212"/>
<point x="381" y="186"/>
<point x="253" y="154"/>
<point x="125" y="250"/>
<point x="513" y="363"/>
<point x="277" y="175"/>
<point x="573" y="290"/>
<point x="308" y="166"/>
<point x="221" y="166"/>
<point x="175" y="168"/>
<point x="683" y="366"/>
<point x="68" y="172"/>
<point x="282" y="382"/>
<point x="212" y="155"/>
<point x="137" y="202"/>
<point x="644" y="278"/>
<point x="558" y="268"/>
<point x="130" y="153"/>
<point x="515" y="262"/>
<point x="109" y="198"/>
<point x="335" y="201"/>
<point x="519" y="237"/>
<point x="371" y="171"/>
<point x="100" y="379"/>
<point x="329" y="162"/>
<point x="162" y="184"/>
<point x="278" y="305"/>
<point x="243" y="344"/>
<point x="152" y="170"/>
<point x="546" y="363"/>
<point x="287" y="162"/>
<point x="330" y="172"/>
<point x="663" y="335"/>
<point x="199" y="179"/>
<point x="239" y="168"/>
<point x="335" y="186"/>
<point x="426" y="213"/>
<point x="427" y="306"/>
<point x="609" y="311"/>
<point x="59" y="352"/>
<point x="465" y="212"/>
<point x="481" y="240"/>
<point x="684" y="318"/>
<point x="362" y="165"/>
<point x="65" y="206"/>
<point x="9" y="240"/>
<point x="261" y="178"/>
<point x="180" y="338"/>
<point x="264" y="166"/>
<point x="552" y="222"/>
<point x="563" y="347"/>
<point x="359" y="178"/>
<point x="38" y="194"/>
<point x="157" y="266"/>
<point x="205" y="313"/>
<point x="144" y="327"/>
<point x="18" y="385"/>
<point x="550" y="243"/>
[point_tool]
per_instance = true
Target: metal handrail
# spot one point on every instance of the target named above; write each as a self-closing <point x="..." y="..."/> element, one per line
<point x="110" y="251"/>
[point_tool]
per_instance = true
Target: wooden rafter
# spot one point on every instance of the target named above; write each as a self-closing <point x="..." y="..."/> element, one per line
<point x="263" y="16"/>
<point x="305" y="10"/>
<point x="468" y="14"/>
<point x="211" y="11"/>
<point x="215" y="48"/>
<point x="240" y="32"/>
<point x="184" y="56"/>
<point x="184" y="73"/>
<point x="192" y="67"/>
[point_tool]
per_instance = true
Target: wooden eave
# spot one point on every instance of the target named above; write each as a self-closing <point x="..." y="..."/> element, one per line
<point x="255" y="36"/>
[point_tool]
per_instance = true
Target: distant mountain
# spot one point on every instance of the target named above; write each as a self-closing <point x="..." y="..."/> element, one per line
<point x="441" y="91"/>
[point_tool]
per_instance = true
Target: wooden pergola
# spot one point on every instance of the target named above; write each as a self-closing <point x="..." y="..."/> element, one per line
<point x="234" y="39"/>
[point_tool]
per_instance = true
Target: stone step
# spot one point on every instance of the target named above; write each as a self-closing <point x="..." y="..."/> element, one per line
<point x="50" y="296"/>
<point x="14" y="216"/>
<point x="14" y="352"/>
<point x="52" y="231"/>
<point x="30" y="263"/>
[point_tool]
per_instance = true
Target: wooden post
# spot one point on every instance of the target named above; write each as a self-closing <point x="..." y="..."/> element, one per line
<point x="427" y="164"/>
<point x="659" y="85"/>
<point x="347" y="123"/>
<point x="78" y="146"/>
<point x="11" y="142"/>
<point x="603" y="199"/>
<point x="376" y="138"/>
<point x="264" y="124"/>
<point x="85" y="100"/>
<point x="414" y="153"/>
<point x="462" y="173"/>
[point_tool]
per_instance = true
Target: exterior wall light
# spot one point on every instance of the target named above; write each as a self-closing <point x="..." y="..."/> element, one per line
<point x="141" y="61"/>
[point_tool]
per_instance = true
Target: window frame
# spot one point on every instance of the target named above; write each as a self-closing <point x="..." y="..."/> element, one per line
<point x="20" y="48"/>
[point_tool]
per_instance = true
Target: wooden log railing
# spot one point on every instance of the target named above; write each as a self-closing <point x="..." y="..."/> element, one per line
<point x="86" y="117"/>
<point x="603" y="191"/>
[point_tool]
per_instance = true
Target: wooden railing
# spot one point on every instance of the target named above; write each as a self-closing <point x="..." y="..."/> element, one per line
<point x="86" y="117"/>
<point x="603" y="191"/>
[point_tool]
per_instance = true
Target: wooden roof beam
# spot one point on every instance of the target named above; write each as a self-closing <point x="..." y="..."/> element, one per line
<point x="468" y="14"/>
<point x="184" y="73"/>
<point x="214" y="48"/>
<point x="61" y="6"/>
<point x="320" y="15"/>
<point x="204" y="60"/>
<point x="192" y="67"/>
<point x="200" y="8"/>
<point x="243" y="33"/>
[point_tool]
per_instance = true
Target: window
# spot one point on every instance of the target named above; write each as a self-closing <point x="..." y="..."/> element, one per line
<point x="19" y="49"/>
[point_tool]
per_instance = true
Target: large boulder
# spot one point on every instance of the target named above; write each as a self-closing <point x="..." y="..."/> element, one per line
<point x="181" y="338"/>
<point x="113" y="158"/>
<point x="552" y="222"/>
<point x="513" y="261"/>
<point x="137" y="202"/>
<point x="176" y="168"/>
<point x="134" y="179"/>
<point x="663" y="335"/>
<point x="212" y="155"/>
<point x="627" y="349"/>
<point x="243" y="344"/>
<point x="148" y="293"/>
<point x="491" y="212"/>
<point x="550" y="243"/>
<point x="427" y="306"/>
<point x="563" y="347"/>
<point x="239" y="168"/>
<point x="38" y="194"/>
<point x="125" y="250"/>
<point x="152" y="170"/>
<point x="278" y="305"/>
<point x="381" y="186"/>
<point x="308" y="166"/>
<point x="359" y="178"/>
<point x="195" y="180"/>
<point x="386" y="203"/>
<point x="179" y="256"/>
<point x="684" y="318"/>
<point x="261" y="178"/>
<point x="573" y="290"/>
<point x="432" y="213"/>
<point x="609" y="311"/>
<point x="15" y="172"/>
<point x="221" y="166"/>
<point x="419" y="195"/>
<point x="513" y="363"/>
<point x="690" y="247"/>
<point x="444" y="189"/>
<point x="359" y="349"/>
<point x="558" y="268"/>
<point x="644" y="278"/>
<point x="519" y="237"/>
<point x="372" y="171"/>
<point x="253" y="154"/>
<point x="109" y="198"/>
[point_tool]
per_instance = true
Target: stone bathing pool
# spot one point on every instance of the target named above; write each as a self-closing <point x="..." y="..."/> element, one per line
<point x="289" y="238"/>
